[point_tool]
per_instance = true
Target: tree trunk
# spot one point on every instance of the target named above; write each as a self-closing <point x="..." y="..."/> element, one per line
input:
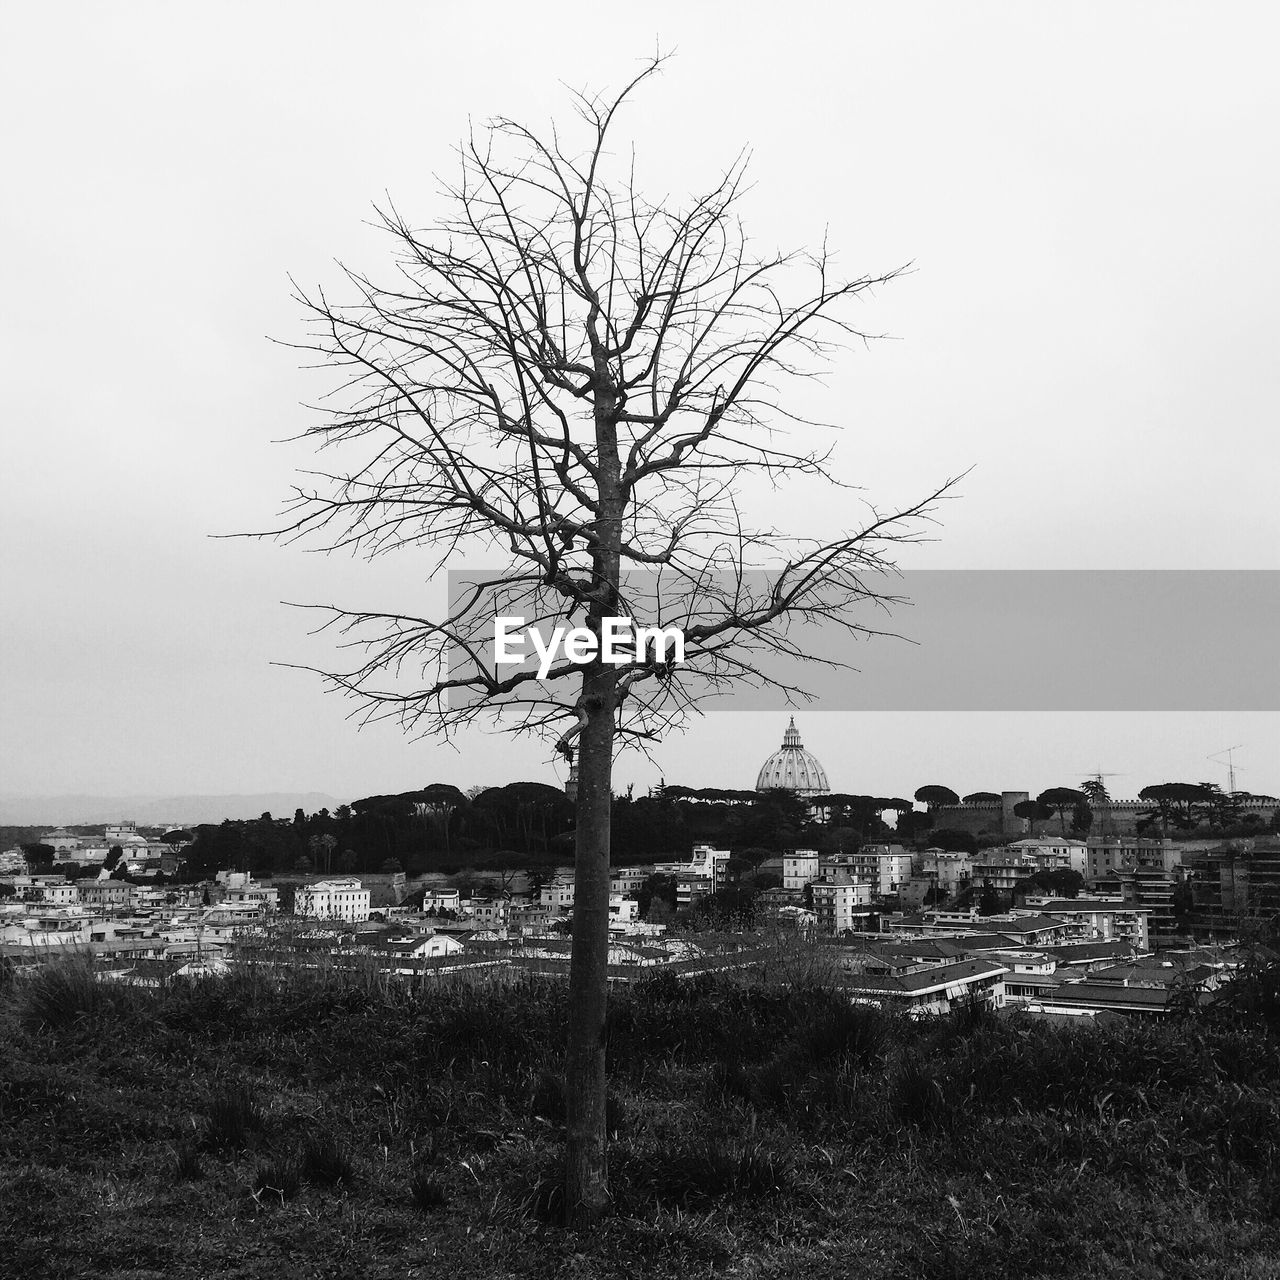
<point x="586" y="1159"/>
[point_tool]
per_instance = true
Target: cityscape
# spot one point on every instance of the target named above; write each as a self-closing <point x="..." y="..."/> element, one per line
<point x="640" y="645"/>
<point x="1070" y="905"/>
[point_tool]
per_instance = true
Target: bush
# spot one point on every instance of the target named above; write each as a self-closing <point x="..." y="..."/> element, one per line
<point x="323" y="1160"/>
<point x="709" y="1169"/>
<point x="427" y="1192"/>
<point x="59" y="994"/>
<point x="186" y="1163"/>
<point x="916" y="1095"/>
<point x="857" y="1033"/>
<point x="279" y="1177"/>
<point x="230" y="1119"/>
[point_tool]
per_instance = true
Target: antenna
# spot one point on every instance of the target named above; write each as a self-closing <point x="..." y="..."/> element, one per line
<point x="1231" y="763"/>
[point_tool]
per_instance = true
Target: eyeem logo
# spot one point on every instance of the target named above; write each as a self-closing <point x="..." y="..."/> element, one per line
<point x="621" y="643"/>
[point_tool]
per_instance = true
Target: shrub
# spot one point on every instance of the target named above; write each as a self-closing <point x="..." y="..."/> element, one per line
<point x="323" y="1160"/>
<point x="186" y="1163"/>
<point x="858" y="1033"/>
<point x="708" y="1169"/>
<point x="279" y="1176"/>
<point x="916" y="1095"/>
<point x="59" y="994"/>
<point x="229" y="1120"/>
<point x="427" y="1192"/>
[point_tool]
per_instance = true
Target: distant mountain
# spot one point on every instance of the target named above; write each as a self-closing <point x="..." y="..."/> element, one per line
<point x="148" y="811"/>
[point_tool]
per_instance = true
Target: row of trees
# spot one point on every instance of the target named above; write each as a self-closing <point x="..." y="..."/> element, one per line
<point x="1180" y="806"/>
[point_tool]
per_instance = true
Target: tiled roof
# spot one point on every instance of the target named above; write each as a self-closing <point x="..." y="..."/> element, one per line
<point x="923" y="979"/>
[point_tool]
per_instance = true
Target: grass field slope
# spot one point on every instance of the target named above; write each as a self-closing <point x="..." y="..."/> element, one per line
<point x="338" y="1125"/>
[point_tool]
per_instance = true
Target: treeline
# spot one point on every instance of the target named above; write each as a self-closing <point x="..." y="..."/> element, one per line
<point x="526" y="825"/>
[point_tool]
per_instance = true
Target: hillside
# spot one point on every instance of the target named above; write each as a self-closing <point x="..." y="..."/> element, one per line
<point x="335" y="1127"/>
<point x="79" y="810"/>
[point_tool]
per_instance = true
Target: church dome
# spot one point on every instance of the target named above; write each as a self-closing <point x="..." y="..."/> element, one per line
<point x="792" y="768"/>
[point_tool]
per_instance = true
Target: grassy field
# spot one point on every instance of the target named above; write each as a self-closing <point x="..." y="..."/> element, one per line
<point x="330" y="1126"/>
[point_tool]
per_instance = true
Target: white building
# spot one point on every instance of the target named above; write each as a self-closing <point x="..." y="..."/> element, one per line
<point x="799" y="868"/>
<point x="836" y="903"/>
<point x="124" y="834"/>
<point x="705" y="863"/>
<point x="341" y="899"/>
<point x="1053" y="853"/>
<point x="436" y="900"/>
<point x="239" y="887"/>
<point x="623" y="912"/>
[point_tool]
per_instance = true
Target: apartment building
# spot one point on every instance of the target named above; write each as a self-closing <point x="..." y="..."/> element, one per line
<point x="800" y="868"/>
<point x="340" y="899"/>
<point x="840" y="905"/>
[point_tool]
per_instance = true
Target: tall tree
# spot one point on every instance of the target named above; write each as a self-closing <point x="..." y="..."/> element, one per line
<point x="1062" y="801"/>
<point x="573" y="384"/>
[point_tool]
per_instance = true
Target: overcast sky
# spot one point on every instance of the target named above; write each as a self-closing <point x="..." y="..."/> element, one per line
<point x="1088" y="195"/>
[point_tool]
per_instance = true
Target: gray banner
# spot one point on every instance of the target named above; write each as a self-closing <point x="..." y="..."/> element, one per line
<point x="1013" y="640"/>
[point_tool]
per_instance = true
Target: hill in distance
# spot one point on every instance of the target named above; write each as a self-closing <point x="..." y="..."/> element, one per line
<point x="152" y="810"/>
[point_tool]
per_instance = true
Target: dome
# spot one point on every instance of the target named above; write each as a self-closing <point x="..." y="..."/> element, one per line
<point x="792" y="768"/>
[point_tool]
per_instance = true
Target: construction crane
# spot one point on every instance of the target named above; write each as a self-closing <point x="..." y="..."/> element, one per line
<point x="1098" y="775"/>
<point x="1230" y="762"/>
<point x="1104" y="809"/>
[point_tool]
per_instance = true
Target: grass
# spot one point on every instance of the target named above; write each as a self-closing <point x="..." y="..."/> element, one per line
<point x="332" y="1125"/>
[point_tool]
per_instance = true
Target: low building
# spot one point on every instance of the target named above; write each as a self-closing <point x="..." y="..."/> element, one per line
<point x="1052" y="853"/>
<point x="626" y="882"/>
<point x="340" y="899"/>
<point x="437" y="900"/>
<point x="109" y="894"/>
<point x="622" y="911"/>
<point x="935" y="989"/>
<point x="1102" y="919"/>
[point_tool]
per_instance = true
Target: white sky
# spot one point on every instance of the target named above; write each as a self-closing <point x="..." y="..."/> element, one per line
<point x="1088" y="192"/>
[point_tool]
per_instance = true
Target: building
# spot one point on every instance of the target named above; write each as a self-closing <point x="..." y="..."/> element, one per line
<point x="1111" y="855"/>
<point x="1053" y="853"/>
<point x="799" y="868"/>
<point x="1235" y="887"/>
<point x="932" y="989"/>
<point x="887" y="866"/>
<point x="840" y="906"/>
<point x="1003" y="872"/>
<point x="948" y="873"/>
<point x="792" y="768"/>
<point x="340" y="899"/>
<point x="557" y="893"/>
<point x="628" y="881"/>
<point x="1103" y="919"/>
<point x="489" y="913"/>
<point x="106" y="893"/>
<point x="705" y="872"/>
<point x="437" y="900"/>
<point x="240" y="888"/>
<point x="61" y="842"/>
<point x="623" y="912"/>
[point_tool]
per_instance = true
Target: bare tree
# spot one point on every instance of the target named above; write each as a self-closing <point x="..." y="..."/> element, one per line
<point x="567" y="382"/>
